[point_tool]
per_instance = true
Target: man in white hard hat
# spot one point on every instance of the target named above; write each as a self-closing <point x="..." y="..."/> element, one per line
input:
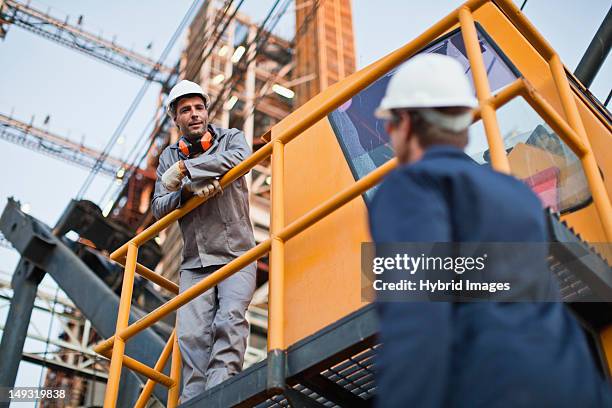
<point x="212" y="329"/>
<point x="479" y="354"/>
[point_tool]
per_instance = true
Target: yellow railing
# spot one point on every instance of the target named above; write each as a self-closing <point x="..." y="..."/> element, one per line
<point x="571" y="131"/>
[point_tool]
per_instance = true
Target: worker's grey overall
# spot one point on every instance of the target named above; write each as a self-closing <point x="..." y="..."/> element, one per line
<point x="212" y="329"/>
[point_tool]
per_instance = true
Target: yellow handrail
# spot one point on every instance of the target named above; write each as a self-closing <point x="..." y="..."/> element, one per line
<point x="572" y="133"/>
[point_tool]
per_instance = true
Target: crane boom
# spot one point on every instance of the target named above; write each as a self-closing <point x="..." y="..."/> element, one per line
<point x="37" y="139"/>
<point x="73" y="36"/>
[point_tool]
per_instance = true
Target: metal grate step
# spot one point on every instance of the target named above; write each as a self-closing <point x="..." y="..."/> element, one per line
<point x="331" y="368"/>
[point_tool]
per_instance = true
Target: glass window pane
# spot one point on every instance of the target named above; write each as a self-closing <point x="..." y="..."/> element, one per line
<point x="363" y="139"/>
<point x="536" y="154"/>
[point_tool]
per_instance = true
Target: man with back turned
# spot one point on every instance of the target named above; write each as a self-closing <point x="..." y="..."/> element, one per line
<point x="479" y="354"/>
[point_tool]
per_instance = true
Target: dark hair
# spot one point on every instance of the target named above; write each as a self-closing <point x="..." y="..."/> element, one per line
<point x="429" y="134"/>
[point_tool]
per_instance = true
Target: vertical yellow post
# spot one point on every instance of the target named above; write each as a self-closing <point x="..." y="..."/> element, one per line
<point x="276" y="301"/>
<point x="277" y="254"/>
<point x="499" y="160"/>
<point x="591" y="171"/>
<point x="175" y="374"/>
<point x="159" y="366"/>
<point x="114" y="372"/>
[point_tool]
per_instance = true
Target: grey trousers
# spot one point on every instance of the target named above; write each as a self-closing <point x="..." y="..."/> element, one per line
<point x="212" y="329"/>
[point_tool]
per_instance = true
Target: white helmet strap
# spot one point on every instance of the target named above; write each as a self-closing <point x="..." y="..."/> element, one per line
<point x="453" y="123"/>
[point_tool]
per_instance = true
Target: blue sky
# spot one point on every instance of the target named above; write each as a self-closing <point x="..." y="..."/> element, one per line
<point x="86" y="99"/>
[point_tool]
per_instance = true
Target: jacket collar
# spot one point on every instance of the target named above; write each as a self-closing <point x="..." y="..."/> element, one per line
<point x="441" y="151"/>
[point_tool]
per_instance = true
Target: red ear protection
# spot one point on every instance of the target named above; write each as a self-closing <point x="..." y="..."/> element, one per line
<point x="200" y="146"/>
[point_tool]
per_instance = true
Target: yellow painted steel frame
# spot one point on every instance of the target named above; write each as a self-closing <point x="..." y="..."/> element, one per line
<point x="571" y="131"/>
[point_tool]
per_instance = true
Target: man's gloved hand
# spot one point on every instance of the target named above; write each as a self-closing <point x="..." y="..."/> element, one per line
<point x="205" y="189"/>
<point x="171" y="179"/>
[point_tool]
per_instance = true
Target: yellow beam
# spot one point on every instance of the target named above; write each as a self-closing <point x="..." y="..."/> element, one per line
<point x="276" y="315"/>
<point x="114" y="372"/>
<point x="153" y="277"/>
<point x="503" y="97"/>
<point x="591" y="170"/>
<point x="175" y="374"/>
<point x="145" y="370"/>
<point x="499" y="160"/>
<point x="188" y="295"/>
<point x="558" y="124"/>
<point x="524" y="26"/>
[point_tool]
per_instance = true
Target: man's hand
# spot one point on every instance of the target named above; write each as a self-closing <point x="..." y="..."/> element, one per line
<point x="205" y="189"/>
<point x="171" y="179"/>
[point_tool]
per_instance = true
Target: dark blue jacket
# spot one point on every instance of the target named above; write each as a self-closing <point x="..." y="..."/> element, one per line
<point x="484" y="354"/>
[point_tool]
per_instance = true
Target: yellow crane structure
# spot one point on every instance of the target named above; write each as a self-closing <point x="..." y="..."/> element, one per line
<point x="322" y="170"/>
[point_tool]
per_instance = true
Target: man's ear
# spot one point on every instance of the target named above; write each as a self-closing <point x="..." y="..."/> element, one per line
<point x="405" y="126"/>
<point x="388" y="127"/>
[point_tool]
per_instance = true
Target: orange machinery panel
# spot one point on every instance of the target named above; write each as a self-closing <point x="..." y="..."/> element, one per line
<point x="322" y="265"/>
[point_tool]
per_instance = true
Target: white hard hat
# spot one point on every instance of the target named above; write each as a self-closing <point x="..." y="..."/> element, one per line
<point x="181" y="89"/>
<point x="427" y="81"/>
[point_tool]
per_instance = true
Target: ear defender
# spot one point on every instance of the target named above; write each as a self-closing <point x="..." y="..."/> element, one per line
<point x="206" y="141"/>
<point x="200" y="146"/>
<point x="184" y="146"/>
